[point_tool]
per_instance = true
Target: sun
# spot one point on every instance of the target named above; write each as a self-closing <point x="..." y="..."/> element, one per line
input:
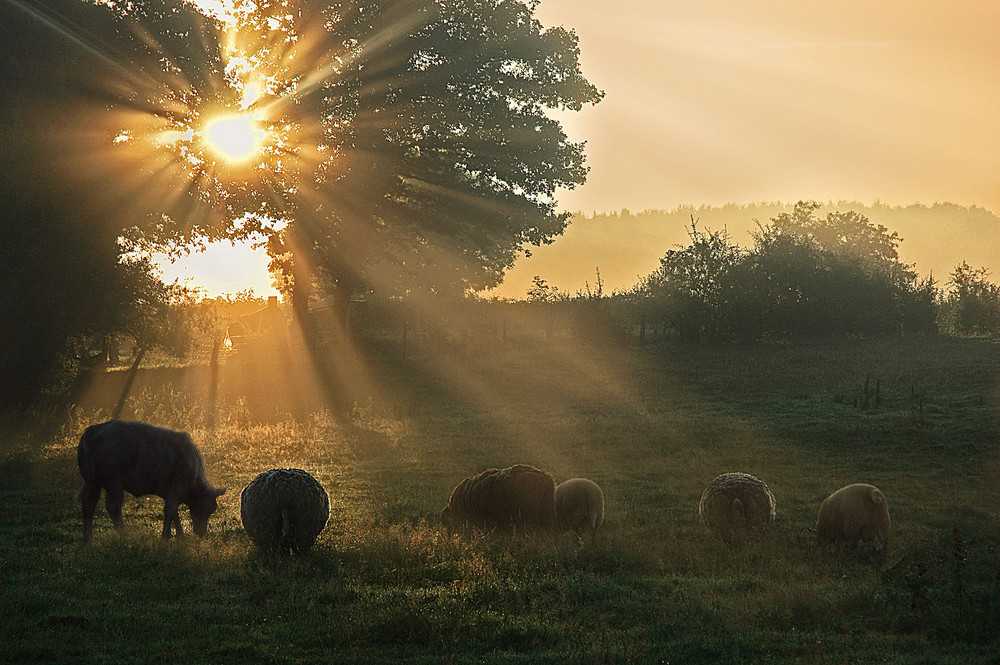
<point x="236" y="137"/>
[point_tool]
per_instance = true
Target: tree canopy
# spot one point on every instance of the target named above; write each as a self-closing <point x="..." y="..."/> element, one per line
<point x="426" y="157"/>
<point x="70" y="71"/>
<point x="804" y="276"/>
<point x="408" y="142"/>
<point x="407" y="145"/>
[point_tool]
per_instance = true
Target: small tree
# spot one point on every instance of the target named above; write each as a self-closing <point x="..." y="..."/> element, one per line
<point x="803" y="277"/>
<point x="693" y="284"/>
<point x="542" y="292"/>
<point x="840" y="274"/>
<point x="63" y="292"/>
<point x="973" y="302"/>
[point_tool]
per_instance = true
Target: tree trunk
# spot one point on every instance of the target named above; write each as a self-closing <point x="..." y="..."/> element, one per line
<point x="132" y="372"/>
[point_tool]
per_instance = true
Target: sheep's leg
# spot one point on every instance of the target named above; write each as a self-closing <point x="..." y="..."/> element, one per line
<point x="288" y="545"/>
<point x="114" y="497"/>
<point x="170" y="517"/>
<point x="89" y="496"/>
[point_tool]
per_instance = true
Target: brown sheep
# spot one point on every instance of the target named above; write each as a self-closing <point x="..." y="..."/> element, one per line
<point x="580" y="508"/>
<point x="517" y="499"/>
<point x="852" y="514"/>
<point x="736" y="505"/>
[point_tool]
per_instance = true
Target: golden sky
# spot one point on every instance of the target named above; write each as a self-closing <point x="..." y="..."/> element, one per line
<point x="723" y="101"/>
<point x="720" y="101"/>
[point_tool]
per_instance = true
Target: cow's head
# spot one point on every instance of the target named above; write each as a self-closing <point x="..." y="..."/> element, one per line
<point x="202" y="508"/>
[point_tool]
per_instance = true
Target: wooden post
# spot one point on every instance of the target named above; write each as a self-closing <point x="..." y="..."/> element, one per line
<point x="128" y="384"/>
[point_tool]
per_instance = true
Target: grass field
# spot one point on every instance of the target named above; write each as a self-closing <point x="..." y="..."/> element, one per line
<point x="920" y="418"/>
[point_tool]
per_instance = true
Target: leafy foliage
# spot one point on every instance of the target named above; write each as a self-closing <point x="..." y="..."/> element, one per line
<point x="64" y="292"/>
<point x="437" y="162"/>
<point x="67" y="282"/>
<point x="972" y="304"/>
<point x="411" y="147"/>
<point x="803" y="277"/>
<point x="542" y="292"/>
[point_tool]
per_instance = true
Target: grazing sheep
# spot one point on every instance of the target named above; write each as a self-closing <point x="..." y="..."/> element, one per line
<point x="284" y="510"/>
<point x="736" y="505"/>
<point x="517" y="499"/>
<point x="854" y="513"/>
<point x="580" y="508"/>
<point x="140" y="459"/>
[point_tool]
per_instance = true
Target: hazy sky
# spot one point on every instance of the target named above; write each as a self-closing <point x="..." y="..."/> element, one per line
<point x="722" y="101"/>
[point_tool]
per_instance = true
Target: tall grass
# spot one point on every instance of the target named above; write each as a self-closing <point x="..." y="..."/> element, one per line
<point x="385" y="583"/>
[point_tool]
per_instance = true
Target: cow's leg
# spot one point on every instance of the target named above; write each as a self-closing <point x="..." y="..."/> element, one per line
<point x="114" y="497"/>
<point x="170" y="518"/>
<point x="89" y="496"/>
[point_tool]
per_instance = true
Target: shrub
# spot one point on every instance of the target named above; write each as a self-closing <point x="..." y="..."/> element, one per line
<point x="803" y="277"/>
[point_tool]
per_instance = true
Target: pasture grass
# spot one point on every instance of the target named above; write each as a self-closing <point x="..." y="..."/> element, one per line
<point x="385" y="583"/>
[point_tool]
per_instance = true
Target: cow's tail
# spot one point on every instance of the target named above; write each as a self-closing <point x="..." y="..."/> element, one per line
<point x="83" y="457"/>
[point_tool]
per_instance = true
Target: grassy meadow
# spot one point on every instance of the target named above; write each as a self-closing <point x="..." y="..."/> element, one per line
<point x="918" y="417"/>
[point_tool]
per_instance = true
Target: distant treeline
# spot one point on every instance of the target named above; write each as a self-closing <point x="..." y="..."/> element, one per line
<point x="804" y="274"/>
<point x="627" y="245"/>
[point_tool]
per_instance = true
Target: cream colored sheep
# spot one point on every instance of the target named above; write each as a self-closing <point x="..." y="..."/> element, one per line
<point x="580" y="508"/>
<point x="517" y="499"/>
<point x="736" y="505"/>
<point x="852" y="514"/>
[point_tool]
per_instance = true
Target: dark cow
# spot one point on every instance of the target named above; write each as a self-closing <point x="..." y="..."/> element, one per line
<point x="119" y="456"/>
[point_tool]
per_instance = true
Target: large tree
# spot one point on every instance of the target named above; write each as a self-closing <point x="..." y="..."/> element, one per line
<point x="446" y="162"/>
<point x="71" y="74"/>
<point x="405" y="146"/>
<point x="408" y="143"/>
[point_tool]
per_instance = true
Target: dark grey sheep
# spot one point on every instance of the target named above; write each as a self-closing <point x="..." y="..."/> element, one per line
<point x="140" y="459"/>
<point x="284" y="510"/>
